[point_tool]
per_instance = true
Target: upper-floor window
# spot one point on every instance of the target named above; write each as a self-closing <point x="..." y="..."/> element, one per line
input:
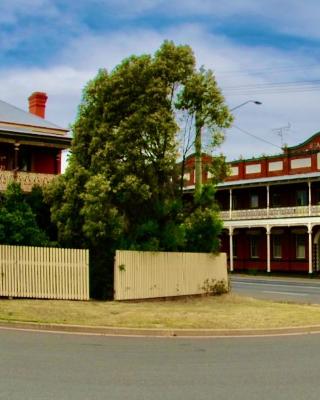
<point x="254" y="200"/>
<point x="300" y="246"/>
<point x="254" y="246"/>
<point x="301" y="198"/>
<point x="276" y="246"/>
<point x="317" y="196"/>
<point x="234" y="202"/>
<point x="24" y="160"/>
<point x="3" y="162"/>
<point x="276" y="200"/>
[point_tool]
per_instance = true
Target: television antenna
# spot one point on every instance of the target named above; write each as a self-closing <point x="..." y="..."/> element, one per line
<point x="282" y="131"/>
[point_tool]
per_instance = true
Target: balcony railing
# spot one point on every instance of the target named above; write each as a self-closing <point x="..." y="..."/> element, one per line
<point x="280" y="212"/>
<point x="26" y="179"/>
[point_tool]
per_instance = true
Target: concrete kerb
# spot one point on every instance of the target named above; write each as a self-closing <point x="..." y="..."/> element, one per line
<point x="152" y="332"/>
<point x="145" y="332"/>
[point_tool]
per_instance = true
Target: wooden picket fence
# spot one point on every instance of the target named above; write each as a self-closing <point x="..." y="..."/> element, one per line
<point x="144" y="274"/>
<point x="44" y="273"/>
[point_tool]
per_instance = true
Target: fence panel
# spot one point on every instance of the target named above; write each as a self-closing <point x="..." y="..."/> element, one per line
<point x="139" y="275"/>
<point x="44" y="273"/>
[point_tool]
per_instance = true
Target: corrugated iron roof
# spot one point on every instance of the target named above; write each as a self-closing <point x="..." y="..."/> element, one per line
<point x="14" y="115"/>
<point x="271" y="179"/>
<point x="25" y="129"/>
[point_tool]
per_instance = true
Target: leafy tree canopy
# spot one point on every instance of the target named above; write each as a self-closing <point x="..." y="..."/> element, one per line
<point x="120" y="189"/>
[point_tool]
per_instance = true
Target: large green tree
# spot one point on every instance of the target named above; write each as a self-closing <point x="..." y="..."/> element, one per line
<point x="120" y="189"/>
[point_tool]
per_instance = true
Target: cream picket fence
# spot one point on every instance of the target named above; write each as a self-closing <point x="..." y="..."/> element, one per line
<point x="140" y="275"/>
<point x="44" y="273"/>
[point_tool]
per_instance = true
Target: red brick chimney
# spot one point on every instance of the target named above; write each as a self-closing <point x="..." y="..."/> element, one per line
<point x="37" y="104"/>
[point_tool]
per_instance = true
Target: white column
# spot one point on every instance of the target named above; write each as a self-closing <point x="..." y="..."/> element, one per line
<point x="230" y="203"/>
<point x="268" y="199"/>
<point x="268" y="231"/>
<point x="310" y="247"/>
<point x="309" y="188"/>
<point x="231" y="248"/>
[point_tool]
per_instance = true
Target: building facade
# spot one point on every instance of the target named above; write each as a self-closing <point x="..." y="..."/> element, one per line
<point x="270" y="207"/>
<point x="30" y="146"/>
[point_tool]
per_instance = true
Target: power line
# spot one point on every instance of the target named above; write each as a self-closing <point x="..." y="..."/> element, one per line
<point x="256" y="137"/>
<point x="288" y="84"/>
<point x="253" y="91"/>
<point x="257" y="71"/>
<point x="274" y="87"/>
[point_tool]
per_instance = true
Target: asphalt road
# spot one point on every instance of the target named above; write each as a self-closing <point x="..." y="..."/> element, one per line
<point x="73" y="367"/>
<point x="302" y="291"/>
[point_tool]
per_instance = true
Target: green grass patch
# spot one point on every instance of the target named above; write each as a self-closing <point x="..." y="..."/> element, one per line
<point x="224" y="312"/>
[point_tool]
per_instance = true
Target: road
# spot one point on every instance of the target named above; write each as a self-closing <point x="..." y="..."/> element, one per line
<point x="73" y="367"/>
<point x="302" y="291"/>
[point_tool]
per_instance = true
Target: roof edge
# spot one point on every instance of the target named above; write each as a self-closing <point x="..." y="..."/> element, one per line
<point x="304" y="143"/>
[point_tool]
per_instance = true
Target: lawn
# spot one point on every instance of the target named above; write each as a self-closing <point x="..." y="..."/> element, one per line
<point x="228" y="311"/>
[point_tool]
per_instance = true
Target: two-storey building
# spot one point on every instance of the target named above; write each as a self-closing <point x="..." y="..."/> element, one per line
<point x="270" y="207"/>
<point x="30" y="146"/>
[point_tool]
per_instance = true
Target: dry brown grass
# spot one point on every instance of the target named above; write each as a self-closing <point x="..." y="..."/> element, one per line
<point x="224" y="312"/>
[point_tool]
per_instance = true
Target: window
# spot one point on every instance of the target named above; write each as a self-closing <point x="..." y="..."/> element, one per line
<point x="234" y="246"/>
<point x="24" y="160"/>
<point x="301" y="198"/>
<point x="234" y="203"/>
<point x="300" y="246"/>
<point x="317" y="196"/>
<point x="254" y="201"/>
<point x="254" y="251"/>
<point x="276" y="246"/>
<point x="276" y="200"/>
<point x="3" y="160"/>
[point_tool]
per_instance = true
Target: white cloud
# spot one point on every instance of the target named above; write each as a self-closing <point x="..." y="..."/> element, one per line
<point x="287" y="16"/>
<point x="62" y="84"/>
<point x="12" y="10"/>
<point x="106" y="51"/>
<point x="80" y="60"/>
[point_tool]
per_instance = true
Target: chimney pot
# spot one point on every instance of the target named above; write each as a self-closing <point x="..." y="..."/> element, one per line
<point x="37" y="104"/>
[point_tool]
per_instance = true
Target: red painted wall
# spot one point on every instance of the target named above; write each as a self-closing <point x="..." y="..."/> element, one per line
<point x="308" y="150"/>
<point x="287" y="263"/>
<point x="44" y="161"/>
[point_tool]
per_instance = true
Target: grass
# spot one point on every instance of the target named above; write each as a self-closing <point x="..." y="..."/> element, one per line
<point x="229" y="311"/>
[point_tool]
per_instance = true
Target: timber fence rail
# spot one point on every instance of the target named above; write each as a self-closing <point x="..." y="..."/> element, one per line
<point x="44" y="273"/>
<point x="142" y="274"/>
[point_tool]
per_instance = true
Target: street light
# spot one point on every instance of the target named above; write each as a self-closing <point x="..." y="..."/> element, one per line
<point x="198" y="155"/>
<point x="246" y="102"/>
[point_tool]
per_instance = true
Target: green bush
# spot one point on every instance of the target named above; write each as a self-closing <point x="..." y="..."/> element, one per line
<point x="18" y="225"/>
<point x="215" y="287"/>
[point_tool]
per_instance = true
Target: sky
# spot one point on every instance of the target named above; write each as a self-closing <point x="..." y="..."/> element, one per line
<point x="259" y="50"/>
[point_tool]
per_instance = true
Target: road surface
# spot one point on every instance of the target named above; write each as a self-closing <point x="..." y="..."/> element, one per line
<point x="302" y="291"/>
<point x="41" y="366"/>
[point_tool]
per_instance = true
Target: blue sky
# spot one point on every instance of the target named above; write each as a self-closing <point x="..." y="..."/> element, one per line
<point x="259" y="50"/>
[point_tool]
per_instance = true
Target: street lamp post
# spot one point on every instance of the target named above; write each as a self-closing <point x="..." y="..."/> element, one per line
<point x="246" y="102"/>
<point x="198" y="146"/>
